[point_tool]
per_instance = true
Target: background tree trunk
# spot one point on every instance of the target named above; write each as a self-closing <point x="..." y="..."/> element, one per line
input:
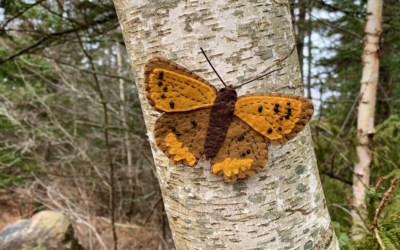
<point x="281" y="207"/>
<point x="366" y="111"/>
<point x="309" y="48"/>
<point x="301" y="31"/>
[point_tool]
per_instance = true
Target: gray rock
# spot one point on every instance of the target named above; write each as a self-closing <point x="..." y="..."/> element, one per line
<point x="52" y="229"/>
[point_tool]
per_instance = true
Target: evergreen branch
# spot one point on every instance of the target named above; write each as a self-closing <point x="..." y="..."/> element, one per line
<point x="379" y="183"/>
<point x="341" y="10"/>
<point x="71" y="20"/>
<point x="21" y="13"/>
<point x="383" y="202"/>
<point x="23" y="50"/>
<point x="337" y="177"/>
<point x="386" y="195"/>
<point x="338" y="28"/>
<point x="378" y="238"/>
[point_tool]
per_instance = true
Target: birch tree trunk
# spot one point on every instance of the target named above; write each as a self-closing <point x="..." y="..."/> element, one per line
<point x="282" y="207"/>
<point x="301" y="31"/>
<point x="366" y="111"/>
<point x="123" y="118"/>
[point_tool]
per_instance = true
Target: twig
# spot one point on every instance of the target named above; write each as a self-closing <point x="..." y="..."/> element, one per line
<point x="42" y="40"/>
<point x="383" y="202"/>
<point x="152" y="210"/>
<point x="378" y="238"/>
<point x="70" y="19"/>
<point x="130" y="226"/>
<point x="58" y="124"/>
<point x="338" y="28"/>
<point x="348" y="211"/>
<point x="52" y="35"/>
<point x="353" y="107"/>
<point x="337" y="177"/>
<point x="379" y="183"/>
<point x="386" y="97"/>
<point x="386" y="195"/>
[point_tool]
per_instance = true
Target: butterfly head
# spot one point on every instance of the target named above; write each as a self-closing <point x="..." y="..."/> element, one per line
<point x="227" y="94"/>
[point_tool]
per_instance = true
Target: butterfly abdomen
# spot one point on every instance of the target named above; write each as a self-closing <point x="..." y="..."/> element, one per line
<point x="220" y="118"/>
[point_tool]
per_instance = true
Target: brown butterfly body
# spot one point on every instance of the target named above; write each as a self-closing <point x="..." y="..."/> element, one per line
<point x="232" y="132"/>
<point x="220" y="119"/>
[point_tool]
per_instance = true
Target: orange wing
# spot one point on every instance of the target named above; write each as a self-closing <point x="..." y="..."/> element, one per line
<point x="244" y="152"/>
<point x="172" y="88"/>
<point x="277" y="117"/>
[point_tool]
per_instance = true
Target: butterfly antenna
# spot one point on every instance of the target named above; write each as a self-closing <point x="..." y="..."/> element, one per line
<point x="212" y="66"/>
<point x="255" y="79"/>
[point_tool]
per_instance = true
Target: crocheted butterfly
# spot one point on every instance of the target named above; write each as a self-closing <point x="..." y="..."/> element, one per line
<point x="232" y="132"/>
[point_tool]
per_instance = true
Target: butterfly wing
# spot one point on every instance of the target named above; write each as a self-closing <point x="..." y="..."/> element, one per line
<point x="181" y="135"/>
<point x="244" y="152"/>
<point x="172" y="88"/>
<point x="278" y="117"/>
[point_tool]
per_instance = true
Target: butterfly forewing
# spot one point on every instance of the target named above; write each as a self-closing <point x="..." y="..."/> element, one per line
<point x="172" y="88"/>
<point x="244" y="152"/>
<point x="277" y="117"/>
<point x="181" y="135"/>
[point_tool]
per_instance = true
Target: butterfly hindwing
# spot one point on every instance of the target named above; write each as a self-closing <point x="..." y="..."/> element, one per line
<point x="278" y="117"/>
<point x="181" y="135"/>
<point x="172" y="88"/>
<point x="244" y="152"/>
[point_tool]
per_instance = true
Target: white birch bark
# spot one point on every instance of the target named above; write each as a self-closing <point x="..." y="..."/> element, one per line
<point x="282" y="207"/>
<point x="366" y="111"/>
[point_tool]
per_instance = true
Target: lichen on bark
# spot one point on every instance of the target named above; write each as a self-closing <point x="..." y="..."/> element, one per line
<point x="283" y="206"/>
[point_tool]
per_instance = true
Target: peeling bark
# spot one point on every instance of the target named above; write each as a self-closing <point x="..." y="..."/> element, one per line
<point x="283" y="206"/>
<point x="366" y="111"/>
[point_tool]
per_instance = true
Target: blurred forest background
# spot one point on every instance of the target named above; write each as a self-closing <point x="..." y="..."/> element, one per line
<point x="63" y="66"/>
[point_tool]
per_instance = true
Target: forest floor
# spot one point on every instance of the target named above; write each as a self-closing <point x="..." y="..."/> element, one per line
<point x="12" y="210"/>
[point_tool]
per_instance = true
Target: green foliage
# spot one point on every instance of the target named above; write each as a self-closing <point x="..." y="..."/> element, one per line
<point x="335" y="130"/>
<point x="386" y="146"/>
<point x="390" y="239"/>
<point x="336" y="190"/>
<point x="38" y="247"/>
<point x="343" y="239"/>
<point x="371" y="199"/>
<point x="388" y="221"/>
<point x="368" y="243"/>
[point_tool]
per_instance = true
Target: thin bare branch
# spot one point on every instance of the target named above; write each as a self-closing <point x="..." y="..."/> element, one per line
<point x="105" y="130"/>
